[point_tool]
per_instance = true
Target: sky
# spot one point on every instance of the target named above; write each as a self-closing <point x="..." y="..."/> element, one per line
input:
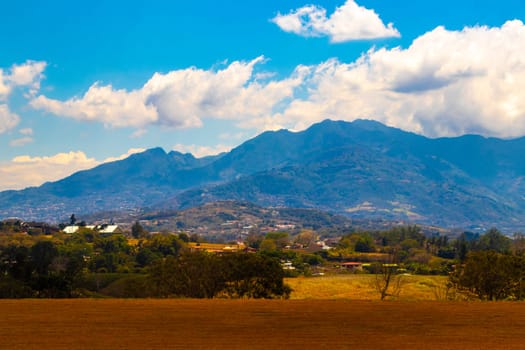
<point x="87" y="82"/>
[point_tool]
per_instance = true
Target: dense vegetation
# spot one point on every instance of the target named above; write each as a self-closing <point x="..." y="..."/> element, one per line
<point x="138" y="264"/>
<point x="88" y="263"/>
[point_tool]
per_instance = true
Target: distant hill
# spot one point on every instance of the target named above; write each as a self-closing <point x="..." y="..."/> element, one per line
<point x="361" y="169"/>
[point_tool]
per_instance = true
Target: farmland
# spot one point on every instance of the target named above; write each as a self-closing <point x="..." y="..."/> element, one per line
<point x="360" y="287"/>
<point x="258" y="324"/>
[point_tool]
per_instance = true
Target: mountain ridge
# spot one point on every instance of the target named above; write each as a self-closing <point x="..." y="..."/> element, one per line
<point x="361" y="168"/>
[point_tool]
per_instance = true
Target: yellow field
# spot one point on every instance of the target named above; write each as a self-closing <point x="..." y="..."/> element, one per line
<point x="360" y="287"/>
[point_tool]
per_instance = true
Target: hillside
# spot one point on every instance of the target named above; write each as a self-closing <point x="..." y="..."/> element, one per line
<point x="361" y="169"/>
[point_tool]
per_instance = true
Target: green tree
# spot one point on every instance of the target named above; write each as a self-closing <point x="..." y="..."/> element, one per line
<point x="204" y="275"/>
<point x="462" y="248"/>
<point x="42" y="255"/>
<point x="254" y="276"/>
<point x="281" y="239"/>
<point x="138" y="231"/>
<point x="365" y="244"/>
<point x="494" y="240"/>
<point x="489" y="275"/>
<point x="267" y="245"/>
<point x="192" y="275"/>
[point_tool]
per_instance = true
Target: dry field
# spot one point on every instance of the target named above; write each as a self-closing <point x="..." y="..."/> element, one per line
<point x="360" y="287"/>
<point x="259" y="324"/>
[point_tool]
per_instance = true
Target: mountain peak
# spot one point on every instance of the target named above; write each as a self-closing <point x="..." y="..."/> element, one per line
<point x="333" y="165"/>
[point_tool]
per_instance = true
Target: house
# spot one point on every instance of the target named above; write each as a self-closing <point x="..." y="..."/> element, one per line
<point x="352" y="266"/>
<point x="74" y="228"/>
<point x="287" y="265"/>
<point x="109" y="229"/>
<point x="216" y="247"/>
<point x="103" y="229"/>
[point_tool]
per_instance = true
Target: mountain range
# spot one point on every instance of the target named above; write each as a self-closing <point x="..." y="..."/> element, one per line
<point x="361" y="169"/>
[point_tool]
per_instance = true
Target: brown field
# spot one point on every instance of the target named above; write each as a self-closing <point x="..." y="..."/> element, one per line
<point x="259" y="324"/>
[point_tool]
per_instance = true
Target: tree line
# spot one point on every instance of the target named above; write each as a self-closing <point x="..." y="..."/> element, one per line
<point x="490" y="266"/>
<point x="82" y="265"/>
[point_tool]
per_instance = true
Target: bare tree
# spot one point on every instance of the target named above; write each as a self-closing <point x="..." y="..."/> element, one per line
<point x="387" y="281"/>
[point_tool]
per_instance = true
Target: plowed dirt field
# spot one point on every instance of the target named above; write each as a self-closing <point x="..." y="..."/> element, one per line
<point x="259" y="324"/>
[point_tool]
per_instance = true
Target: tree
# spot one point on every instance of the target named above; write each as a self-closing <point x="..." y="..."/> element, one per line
<point x="254" y="276"/>
<point x="72" y="219"/>
<point x="42" y="255"/>
<point x="137" y="231"/>
<point x="267" y="245"/>
<point x="365" y="244"/>
<point x="280" y="239"/>
<point x="192" y="275"/>
<point x="306" y="238"/>
<point x="204" y="275"/>
<point x="386" y="281"/>
<point x="491" y="276"/>
<point x="494" y="240"/>
<point x="461" y="247"/>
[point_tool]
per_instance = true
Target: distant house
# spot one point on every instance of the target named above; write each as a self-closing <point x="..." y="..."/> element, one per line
<point x="216" y="247"/>
<point x="352" y="266"/>
<point x="74" y="228"/>
<point x="104" y="229"/>
<point x="109" y="229"/>
<point x="287" y="265"/>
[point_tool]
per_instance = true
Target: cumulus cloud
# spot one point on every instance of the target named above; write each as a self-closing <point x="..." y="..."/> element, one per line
<point x="446" y="83"/>
<point x="8" y="119"/>
<point x="349" y="22"/>
<point x="28" y="74"/>
<point x="201" y="151"/>
<point x="179" y="99"/>
<point x="25" y="171"/>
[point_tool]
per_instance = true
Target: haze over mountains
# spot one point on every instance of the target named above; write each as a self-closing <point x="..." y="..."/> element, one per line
<point x="361" y="169"/>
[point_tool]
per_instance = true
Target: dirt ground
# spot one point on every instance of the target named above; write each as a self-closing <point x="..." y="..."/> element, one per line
<point x="255" y="324"/>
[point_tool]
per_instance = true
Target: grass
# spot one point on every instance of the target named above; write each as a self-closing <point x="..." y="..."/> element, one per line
<point x="360" y="287"/>
<point x="259" y="324"/>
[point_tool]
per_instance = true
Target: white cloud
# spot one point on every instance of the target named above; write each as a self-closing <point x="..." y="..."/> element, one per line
<point x="24" y="171"/>
<point x="349" y="22"/>
<point x="8" y="120"/>
<point x="5" y="89"/>
<point x="446" y="83"/>
<point x="115" y="108"/>
<point x="125" y="155"/>
<point x="26" y="131"/>
<point x="234" y="136"/>
<point x="21" y="141"/>
<point x="28" y="74"/>
<point x="179" y="99"/>
<point x="201" y="151"/>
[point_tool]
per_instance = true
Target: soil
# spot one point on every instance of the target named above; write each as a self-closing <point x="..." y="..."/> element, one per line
<point x="259" y="324"/>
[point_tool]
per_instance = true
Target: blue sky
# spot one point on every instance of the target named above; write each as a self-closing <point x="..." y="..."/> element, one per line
<point x="86" y="82"/>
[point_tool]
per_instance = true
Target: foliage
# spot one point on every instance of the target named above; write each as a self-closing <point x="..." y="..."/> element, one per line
<point x="491" y="276"/>
<point x="137" y="231"/>
<point x="203" y="275"/>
